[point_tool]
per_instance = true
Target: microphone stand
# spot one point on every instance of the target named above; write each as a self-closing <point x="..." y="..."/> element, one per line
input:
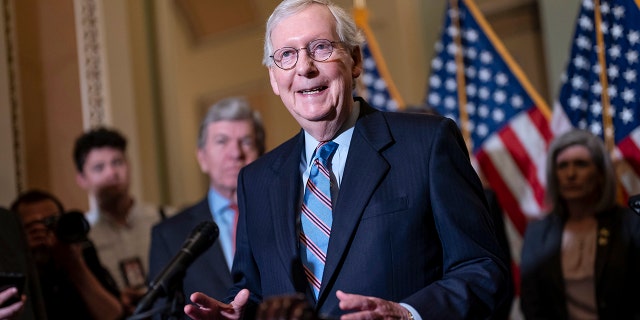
<point x="174" y="302"/>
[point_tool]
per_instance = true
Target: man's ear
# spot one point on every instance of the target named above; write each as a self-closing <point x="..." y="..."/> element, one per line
<point x="356" y="56"/>
<point x="272" y="80"/>
<point x="81" y="180"/>
<point x="202" y="160"/>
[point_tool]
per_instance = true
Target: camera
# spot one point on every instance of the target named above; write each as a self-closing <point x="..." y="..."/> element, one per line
<point x="70" y="227"/>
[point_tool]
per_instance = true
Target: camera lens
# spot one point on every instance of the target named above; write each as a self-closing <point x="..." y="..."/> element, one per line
<point x="72" y="227"/>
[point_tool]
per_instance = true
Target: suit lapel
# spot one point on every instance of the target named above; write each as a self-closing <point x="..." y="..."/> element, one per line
<point x="284" y="195"/>
<point x="364" y="169"/>
<point x="554" y="246"/>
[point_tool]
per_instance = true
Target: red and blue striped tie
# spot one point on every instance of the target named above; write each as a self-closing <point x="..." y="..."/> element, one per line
<point x="316" y="215"/>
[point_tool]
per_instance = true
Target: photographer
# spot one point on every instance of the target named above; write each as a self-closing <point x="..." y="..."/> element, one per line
<point x="74" y="283"/>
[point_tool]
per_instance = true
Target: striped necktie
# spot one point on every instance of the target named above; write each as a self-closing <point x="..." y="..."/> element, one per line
<point x="316" y="216"/>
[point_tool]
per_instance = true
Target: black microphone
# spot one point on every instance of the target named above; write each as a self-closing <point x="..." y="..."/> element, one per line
<point x="634" y="203"/>
<point x="202" y="237"/>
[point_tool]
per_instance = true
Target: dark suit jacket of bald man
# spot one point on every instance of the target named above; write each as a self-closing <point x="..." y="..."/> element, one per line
<point x="209" y="273"/>
<point x="410" y="223"/>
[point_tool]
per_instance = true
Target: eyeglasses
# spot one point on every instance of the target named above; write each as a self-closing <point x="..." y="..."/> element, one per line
<point x="319" y="50"/>
<point x="48" y="222"/>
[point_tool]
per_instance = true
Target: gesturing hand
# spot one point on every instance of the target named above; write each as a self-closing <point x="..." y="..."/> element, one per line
<point x="205" y="307"/>
<point x="364" y="307"/>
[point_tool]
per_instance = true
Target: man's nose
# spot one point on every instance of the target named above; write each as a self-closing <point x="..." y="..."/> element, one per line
<point x="571" y="171"/>
<point x="111" y="171"/>
<point x="235" y="149"/>
<point x="305" y="64"/>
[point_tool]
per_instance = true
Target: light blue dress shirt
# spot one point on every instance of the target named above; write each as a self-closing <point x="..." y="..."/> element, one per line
<point x="339" y="157"/>
<point x="224" y="217"/>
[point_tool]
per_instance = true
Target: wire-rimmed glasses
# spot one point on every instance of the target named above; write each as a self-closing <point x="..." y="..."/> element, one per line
<point x="319" y="50"/>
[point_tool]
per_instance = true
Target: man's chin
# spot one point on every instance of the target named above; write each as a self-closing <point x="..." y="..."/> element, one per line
<point x="41" y="254"/>
<point x="111" y="193"/>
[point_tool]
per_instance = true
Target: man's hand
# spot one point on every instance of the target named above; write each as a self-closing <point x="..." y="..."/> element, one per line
<point x="205" y="308"/>
<point x="68" y="256"/>
<point x="369" y="307"/>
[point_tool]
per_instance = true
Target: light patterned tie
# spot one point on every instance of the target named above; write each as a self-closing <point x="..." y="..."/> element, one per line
<point x="316" y="216"/>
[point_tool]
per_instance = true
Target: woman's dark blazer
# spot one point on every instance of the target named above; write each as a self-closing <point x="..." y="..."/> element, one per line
<point x="617" y="267"/>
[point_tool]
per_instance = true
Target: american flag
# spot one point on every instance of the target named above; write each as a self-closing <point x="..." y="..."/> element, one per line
<point x="589" y="84"/>
<point x="503" y="117"/>
<point x="375" y="83"/>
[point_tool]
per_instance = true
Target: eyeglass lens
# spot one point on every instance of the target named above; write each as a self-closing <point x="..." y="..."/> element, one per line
<point x="287" y="57"/>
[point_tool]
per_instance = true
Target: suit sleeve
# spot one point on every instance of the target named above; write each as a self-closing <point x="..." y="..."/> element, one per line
<point x="158" y="254"/>
<point x="475" y="275"/>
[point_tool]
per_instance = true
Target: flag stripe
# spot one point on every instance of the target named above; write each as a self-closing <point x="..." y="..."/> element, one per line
<point x="542" y="125"/>
<point x="535" y="134"/>
<point x="507" y="199"/>
<point x="522" y="158"/>
<point x="509" y="172"/>
<point x="630" y="150"/>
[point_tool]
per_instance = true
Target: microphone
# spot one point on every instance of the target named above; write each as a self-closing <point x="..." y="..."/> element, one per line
<point x="201" y="238"/>
<point x="634" y="203"/>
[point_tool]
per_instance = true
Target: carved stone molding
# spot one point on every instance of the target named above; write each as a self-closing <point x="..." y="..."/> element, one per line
<point x="91" y="60"/>
<point x="8" y="12"/>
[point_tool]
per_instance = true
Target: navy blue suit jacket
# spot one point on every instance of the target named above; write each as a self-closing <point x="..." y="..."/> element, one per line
<point x="209" y="273"/>
<point x="410" y="223"/>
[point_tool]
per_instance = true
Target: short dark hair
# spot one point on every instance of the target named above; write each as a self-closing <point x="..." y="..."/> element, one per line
<point x="33" y="196"/>
<point x="96" y="138"/>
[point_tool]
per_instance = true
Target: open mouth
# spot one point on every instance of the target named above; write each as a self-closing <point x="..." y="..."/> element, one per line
<point x="313" y="90"/>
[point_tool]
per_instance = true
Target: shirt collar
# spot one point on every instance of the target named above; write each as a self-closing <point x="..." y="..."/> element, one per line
<point x="343" y="139"/>
<point x="217" y="202"/>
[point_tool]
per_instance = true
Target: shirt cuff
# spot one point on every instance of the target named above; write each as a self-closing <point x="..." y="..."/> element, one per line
<point x="416" y="315"/>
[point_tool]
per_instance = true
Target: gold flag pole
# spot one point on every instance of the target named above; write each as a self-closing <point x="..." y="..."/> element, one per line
<point x="361" y="16"/>
<point x="460" y="79"/>
<point x="607" y="122"/>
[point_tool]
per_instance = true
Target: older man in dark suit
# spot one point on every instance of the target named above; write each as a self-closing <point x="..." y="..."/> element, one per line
<point x="370" y="215"/>
<point x="231" y="136"/>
